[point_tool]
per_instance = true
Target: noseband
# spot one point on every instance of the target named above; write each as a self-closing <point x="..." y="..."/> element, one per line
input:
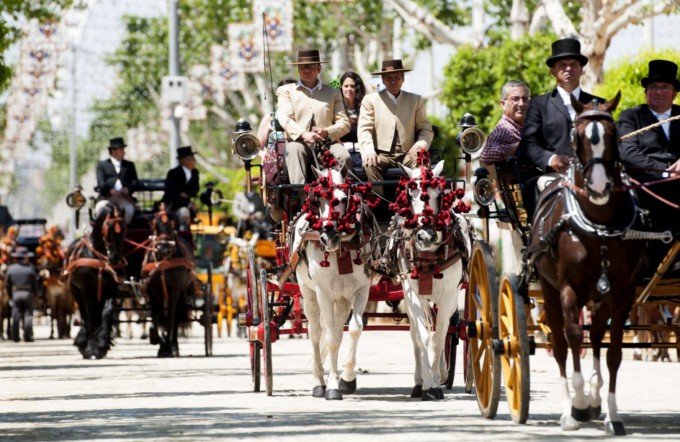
<point x="590" y="116"/>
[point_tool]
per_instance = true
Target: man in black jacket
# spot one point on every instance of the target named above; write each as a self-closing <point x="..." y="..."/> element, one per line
<point x="546" y="138"/>
<point x="117" y="180"/>
<point x="655" y="154"/>
<point x="21" y="282"/>
<point x="181" y="185"/>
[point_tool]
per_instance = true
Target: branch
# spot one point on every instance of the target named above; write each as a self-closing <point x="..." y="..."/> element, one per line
<point x="561" y="24"/>
<point x="538" y="20"/>
<point x="425" y="23"/>
<point x="629" y="16"/>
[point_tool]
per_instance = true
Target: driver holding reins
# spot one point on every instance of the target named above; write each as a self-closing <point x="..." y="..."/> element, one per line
<point x="310" y="112"/>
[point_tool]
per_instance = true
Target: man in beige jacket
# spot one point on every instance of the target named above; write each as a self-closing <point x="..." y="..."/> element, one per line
<point x="310" y="111"/>
<point x="392" y="125"/>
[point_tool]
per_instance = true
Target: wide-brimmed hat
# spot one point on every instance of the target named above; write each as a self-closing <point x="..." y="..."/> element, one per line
<point x="22" y="252"/>
<point x="184" y="151"/>
<point x="116" y="143"/>
<point x="308" y="56"/>
<point x="566" y="48"/>
<point x="389" y="66"/>
<point x="662" y="71"/>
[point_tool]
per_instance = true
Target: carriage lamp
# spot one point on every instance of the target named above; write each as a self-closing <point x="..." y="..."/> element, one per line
<point x="471" y="139"/>
<point x="246" y="145"/>
<point x="76" y="200"/>
<point x="484" y="190"/>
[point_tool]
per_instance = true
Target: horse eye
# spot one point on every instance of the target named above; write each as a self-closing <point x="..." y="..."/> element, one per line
<point x="343" y="200"/>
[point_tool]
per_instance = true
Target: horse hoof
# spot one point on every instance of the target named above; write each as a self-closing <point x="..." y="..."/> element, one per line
<point x="333" y="395"/>
<point x="347" y="387"/>
<point x="637" y="357"/>
<point x="580" y="415"/>
<point x="319" y="391"/>
<point x="568" y="423"/>
<point x="431" y="394"/>
<point x="417" y="391"/>
<point x="595" y="412"/>
<point x="440" y="393"/>
<point x="615" y="428"/>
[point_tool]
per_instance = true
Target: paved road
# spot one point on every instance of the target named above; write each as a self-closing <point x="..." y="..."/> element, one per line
<point x="48" y="392"/>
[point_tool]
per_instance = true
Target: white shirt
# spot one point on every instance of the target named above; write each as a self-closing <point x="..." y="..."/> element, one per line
<point x="393" y="98"/>
<point x="311" y="90"/>
<point x="567" y="101"/>
<point x="664" y="116"/>
<point x="116" y="164"/>
<point x="187" y="173"/>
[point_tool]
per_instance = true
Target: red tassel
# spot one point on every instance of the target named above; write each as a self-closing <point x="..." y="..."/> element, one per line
<point x="415" y="274"/>
<point x="438" y="272"/>
<point x="325" y="262"/>
<point x="358" y="260"/>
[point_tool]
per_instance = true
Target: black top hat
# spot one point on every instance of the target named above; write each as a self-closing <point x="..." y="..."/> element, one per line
<point x="566" y="48"/>
<point x="308" y="56"/>
<point x="389" y="66"/>
<point x="662" y="71"/>
<point x="115" y="143"/>
<point x="22" y="252"/>
<point x="184" y="151"/>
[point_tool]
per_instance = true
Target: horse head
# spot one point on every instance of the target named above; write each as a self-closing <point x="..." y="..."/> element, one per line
<point x="332" y="199"/>
<point x="596" y="145"/>
<point x="164" y="234"/>
<point x="424" y="189"/>
<point x="113" y="234"/>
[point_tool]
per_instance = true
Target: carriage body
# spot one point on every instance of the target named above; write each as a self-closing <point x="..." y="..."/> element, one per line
<point x="504" y="311"/>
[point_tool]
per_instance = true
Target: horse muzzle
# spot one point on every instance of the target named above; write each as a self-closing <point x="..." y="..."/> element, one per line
<point x="425" y="238"/>
<point x="330" y="241"/>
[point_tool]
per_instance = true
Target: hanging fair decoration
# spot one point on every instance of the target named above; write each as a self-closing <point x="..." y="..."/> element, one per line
<point x="223" y="75"/>
<point x="278" y="23"/>
<point x="245" y="47"/>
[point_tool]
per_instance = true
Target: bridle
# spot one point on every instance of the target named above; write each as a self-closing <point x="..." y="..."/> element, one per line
<point x="167" y="241"/>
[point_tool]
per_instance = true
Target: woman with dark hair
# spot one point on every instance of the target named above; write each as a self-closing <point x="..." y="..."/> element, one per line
<point x="353" y="92"/>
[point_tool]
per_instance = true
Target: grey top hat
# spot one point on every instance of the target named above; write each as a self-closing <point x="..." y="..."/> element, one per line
<point x="115" y="143"/>
<point x="184" y="151"/>
<point x="662" y="71"/>
<point x="566" y="48"/>
<point x="389" y="66"/>
<point x="22" y="252"/>
<point x="308" y="56"/>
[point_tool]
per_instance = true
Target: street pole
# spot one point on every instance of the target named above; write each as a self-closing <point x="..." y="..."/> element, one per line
<point x="173" y="68"/>
<point x="73" y="140"/>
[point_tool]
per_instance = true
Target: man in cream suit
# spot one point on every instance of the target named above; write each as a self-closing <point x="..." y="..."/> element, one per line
<point x="393" y="125"/>
<point x="310" y="111"/>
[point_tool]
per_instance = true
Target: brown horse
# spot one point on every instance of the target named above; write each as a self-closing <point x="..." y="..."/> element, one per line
<point x="580" y="256"/>
<point x="93" y="269"/>
<point x="169" y="280"/>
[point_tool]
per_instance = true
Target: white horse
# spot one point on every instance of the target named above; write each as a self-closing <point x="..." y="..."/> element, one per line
<point x="432" y="249"/>
<point x="332" y="275"/>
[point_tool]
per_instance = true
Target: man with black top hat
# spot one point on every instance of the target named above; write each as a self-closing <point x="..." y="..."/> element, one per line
<point x="181" y="185"/>
<point x="546" y="138"/>
<point x="21" y="282"/>
<point x="392" y="125"/>
<point x="655" y="154"/>
<point x="310" y="112"/>
<point x="117" y="180"/>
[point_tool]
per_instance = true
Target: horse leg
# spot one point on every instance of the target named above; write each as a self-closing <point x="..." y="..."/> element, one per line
<point x="417" y="390"/>
<point x="553" y="313"/>
<point x="574" y="333"/>
<point x="598" y="329"/>
<point x="333" y="315"/>
<point x="421" y="334"/>
<point x="348" y="382"/>
<point x="446" y="308"/>
<point x="612" y="422"/>
<point x="314" y="326"/>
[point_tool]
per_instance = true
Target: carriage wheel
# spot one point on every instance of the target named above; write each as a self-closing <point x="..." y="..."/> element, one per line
<point x="207" y="315"/>
<point x="467" y="366"/>
<point x="255" y="367"/>
<point x="253" y="300"/>
<point x="512" y="328"/>
<point x="267" y="344"/>
<point x="450" y="350"/>
<point x="481" y="316"/>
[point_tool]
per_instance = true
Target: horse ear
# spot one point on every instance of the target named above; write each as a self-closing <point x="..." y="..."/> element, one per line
<point x="407" y="170"/>
<point x="438" y="168"/>
<point x="578" y="106"/>
<point x="612" y="104"/>
<point x="317" y="172"/>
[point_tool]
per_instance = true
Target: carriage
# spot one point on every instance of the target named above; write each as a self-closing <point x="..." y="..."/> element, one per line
<point x="505" y="317"/>
<point x="140" y="238"/>
<point x="275" y="301"/>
